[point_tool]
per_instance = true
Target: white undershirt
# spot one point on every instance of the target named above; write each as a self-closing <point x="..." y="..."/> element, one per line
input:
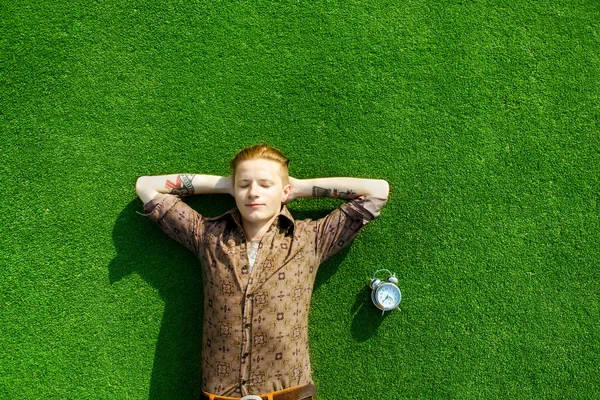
<point x="253" y="252"/>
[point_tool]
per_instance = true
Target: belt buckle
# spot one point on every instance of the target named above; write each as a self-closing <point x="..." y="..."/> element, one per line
<point x="251" y="397"/>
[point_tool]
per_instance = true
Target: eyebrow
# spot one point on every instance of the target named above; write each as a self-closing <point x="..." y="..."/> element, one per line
<point x="260" y="180"/>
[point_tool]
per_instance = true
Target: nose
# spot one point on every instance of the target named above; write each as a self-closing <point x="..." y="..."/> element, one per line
<point x="253" y="191"/>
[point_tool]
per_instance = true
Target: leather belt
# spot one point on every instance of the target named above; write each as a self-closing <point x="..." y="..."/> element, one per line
<point x="294" y="393"/>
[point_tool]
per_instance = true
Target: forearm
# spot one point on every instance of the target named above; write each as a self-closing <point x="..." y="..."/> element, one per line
<point x="341" y="188"/>
<point x="147" y="187"/>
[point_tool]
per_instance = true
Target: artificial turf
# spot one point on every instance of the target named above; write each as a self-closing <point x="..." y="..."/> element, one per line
<point x="482" y="115"/>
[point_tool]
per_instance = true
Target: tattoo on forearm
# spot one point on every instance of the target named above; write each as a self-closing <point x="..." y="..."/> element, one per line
<point x="320" y="192"/>
<point x="182" y="186"/>
<point x="335" y="193"/>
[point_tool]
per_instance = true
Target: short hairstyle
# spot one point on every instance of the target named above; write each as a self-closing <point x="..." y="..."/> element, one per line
<point x="264" y="152"/>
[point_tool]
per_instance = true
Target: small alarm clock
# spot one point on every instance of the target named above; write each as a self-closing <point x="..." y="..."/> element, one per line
<point x="385" y="295"/>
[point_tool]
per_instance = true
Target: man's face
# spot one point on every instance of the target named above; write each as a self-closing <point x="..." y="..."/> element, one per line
<point x="259" y="190"/>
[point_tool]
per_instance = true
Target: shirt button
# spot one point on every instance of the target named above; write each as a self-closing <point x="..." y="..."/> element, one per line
<point x="244" y="268"/>
<point x="247" y="326"/>
<point x="246" y="355"/>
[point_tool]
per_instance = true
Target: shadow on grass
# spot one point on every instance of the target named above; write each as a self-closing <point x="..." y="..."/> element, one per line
<point x="142" y="248"/>
<point x="367" y="318"/>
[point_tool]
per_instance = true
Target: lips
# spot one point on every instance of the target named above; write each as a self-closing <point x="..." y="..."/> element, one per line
<point x="254" y="205"/>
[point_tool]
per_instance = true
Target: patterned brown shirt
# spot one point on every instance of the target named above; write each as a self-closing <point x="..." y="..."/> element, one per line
<point x="255" y="332"/>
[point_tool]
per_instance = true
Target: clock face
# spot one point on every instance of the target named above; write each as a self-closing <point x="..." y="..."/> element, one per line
<point x="388" y="296"/>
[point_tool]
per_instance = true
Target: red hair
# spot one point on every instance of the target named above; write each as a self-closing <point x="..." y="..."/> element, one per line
<point x="264" y="152"/>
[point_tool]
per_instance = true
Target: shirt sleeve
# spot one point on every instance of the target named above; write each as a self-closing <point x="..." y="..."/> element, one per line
<point x="177" y="220"/>
<point x="342" y="225"/>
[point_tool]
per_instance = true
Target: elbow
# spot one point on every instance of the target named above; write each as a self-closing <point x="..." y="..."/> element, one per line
<point x="144" y="189"/>
<point x="140" y="184"/>
<point x="384" y="188"/>
<point x="379" y="188"/>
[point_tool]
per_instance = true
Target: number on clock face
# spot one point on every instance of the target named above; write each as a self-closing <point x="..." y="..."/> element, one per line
<point x="388" y="296"/>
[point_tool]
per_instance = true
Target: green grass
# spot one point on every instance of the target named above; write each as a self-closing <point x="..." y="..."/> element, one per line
<point x="482" y="115"/>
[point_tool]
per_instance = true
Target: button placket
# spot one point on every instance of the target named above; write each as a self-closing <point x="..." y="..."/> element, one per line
<point x="246" y="350"/>
<point x="248" y="308"/>
<point x="246" y="328"/>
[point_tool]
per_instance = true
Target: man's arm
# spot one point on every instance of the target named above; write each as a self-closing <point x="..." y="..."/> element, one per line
<point x="147" y="187"/>
<point x="341" y="188"/>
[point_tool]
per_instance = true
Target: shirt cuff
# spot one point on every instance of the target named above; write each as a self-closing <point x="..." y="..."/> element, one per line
<point x="160" y="205"/>
<point x="368" y="207"/>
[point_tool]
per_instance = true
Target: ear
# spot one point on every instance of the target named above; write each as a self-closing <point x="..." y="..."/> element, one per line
<point x="286" y="192"/>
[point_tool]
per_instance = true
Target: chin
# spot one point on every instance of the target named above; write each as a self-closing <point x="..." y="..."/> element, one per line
<point x="257" y="217"/>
